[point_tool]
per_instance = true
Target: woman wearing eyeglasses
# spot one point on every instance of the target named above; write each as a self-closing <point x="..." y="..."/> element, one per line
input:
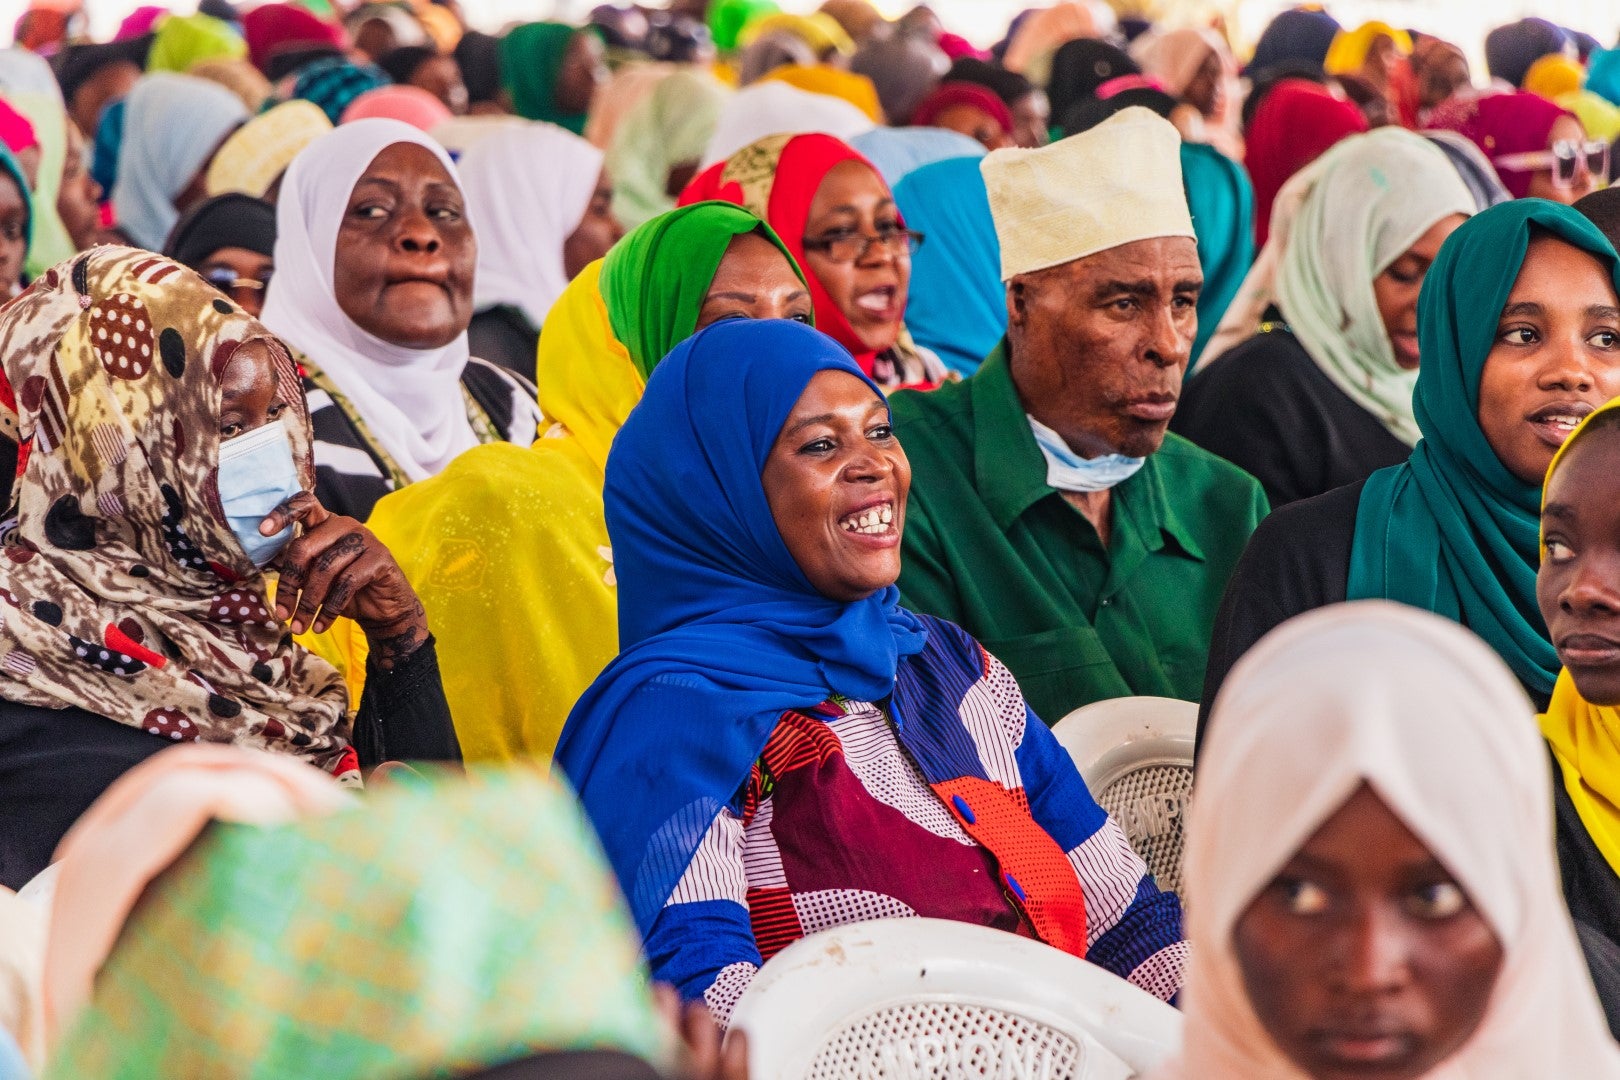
<point x="230" y="241"/>
<point x="839" y="220"/>
<point x="1538" y="149"/>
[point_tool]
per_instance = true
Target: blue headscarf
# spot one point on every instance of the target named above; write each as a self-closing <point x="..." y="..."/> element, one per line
<point x="720" y="632"/>
<point x="1221" y="199"/>
<point x="14" y="169"/>
<point x="957" y="305"/>
<point x="1300" y="36"/>
<point x="897" y="152"/>
<point x="1603" y="75"/>
<point x="109" y="143"/>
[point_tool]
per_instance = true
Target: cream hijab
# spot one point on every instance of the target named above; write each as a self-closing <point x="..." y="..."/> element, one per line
<point x="410" y="399"/>
<point x="1428" y="716"/>
<point x="1337" y="225"/>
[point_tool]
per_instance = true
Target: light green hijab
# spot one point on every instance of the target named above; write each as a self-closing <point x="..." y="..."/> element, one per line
<point x="670" y="127"/>
<point x="27" y="83"/>
<point x="440" y="927"/>
<point x="1366" y="201"/>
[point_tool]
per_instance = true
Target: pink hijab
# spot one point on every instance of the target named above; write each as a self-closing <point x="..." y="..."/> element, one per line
<point x="409" y="104"/>
<point x="1041" y="33"/>
<point x="1517" y="122"/>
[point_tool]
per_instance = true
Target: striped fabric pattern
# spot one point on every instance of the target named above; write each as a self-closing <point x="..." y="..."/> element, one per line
<point x="964" y="808"/>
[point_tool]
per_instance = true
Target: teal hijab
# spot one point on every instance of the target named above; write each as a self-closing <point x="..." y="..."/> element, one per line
<point x="1451" y="530"/>
<point x="1221" y="199"/>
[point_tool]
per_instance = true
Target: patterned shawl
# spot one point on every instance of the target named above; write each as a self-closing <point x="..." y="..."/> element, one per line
<point x="124" y="592"/>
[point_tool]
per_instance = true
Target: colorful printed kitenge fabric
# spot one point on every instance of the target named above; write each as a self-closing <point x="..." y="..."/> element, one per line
<point x="125" y="592"/>
<point x="968" y="810"/>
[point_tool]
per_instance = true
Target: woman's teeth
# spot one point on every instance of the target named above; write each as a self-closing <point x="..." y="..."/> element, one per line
<point x="873" y="522"/>
<point x="876" y="302"/>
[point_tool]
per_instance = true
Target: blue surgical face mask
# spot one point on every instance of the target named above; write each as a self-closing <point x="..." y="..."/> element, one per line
<point x="1068" y="471"/>
<point x="257" y="473"/>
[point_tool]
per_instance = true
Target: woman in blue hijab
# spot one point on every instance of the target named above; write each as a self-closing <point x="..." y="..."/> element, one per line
<point x="957" y="306"/>
<point x="771" y="692"/>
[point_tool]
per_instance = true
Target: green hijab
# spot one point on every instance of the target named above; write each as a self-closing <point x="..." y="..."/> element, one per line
<point x="653" y="303"/>
<point x="1221" y="199"/>
<point x="531" y="59"/>
<point x="439" y="927"/>
<point x="1451" y="530"/>
<point x="48" y="242"/>
<point x="13" y="168"/>
<point x="184" y="41"/>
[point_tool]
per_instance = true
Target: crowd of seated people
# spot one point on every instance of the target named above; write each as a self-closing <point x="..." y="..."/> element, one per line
<point x="504" y="535"/>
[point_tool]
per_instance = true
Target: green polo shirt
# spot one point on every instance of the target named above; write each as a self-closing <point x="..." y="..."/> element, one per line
<point x="990" y="546"/>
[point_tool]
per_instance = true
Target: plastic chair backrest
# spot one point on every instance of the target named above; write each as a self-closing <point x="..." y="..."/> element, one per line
<point x="932" y="999"/>
<point x="1136" y="755"/>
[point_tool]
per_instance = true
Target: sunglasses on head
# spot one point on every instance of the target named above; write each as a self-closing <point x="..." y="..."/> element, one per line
<point x="226" y="281"/>
<point x="1565" y="160"/>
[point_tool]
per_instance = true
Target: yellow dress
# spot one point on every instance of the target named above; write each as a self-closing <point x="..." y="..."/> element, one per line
<point x="508" y="548"/>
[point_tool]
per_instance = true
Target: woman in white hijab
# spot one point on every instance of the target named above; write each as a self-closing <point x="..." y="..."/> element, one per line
<point x="775" y="108"/>
<point x="375" y="255"/>
<point x="544" y="210"/>
<point x="1371" y="880"/>
<point x="173" y="124"/>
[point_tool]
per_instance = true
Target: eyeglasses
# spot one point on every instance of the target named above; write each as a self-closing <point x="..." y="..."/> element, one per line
<point x="852" y="247"/>
<point x="239" y="289"/>
<point x="1565" y="160"/>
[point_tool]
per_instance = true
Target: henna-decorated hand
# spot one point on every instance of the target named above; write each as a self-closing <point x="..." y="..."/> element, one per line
<point x="338" y="567"/>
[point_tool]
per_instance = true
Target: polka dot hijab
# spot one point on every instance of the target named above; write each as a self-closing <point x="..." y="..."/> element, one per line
<point x="122" y="590"/>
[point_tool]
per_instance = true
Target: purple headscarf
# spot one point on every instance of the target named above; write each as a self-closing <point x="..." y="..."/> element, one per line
<point x="1502" y="124"/>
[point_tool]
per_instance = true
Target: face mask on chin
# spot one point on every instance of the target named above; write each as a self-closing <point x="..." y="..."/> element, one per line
<point x="257" y="473"/>
<point x="1068" y="471"/>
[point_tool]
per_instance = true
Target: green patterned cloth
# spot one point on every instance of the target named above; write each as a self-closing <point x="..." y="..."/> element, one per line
<point x="442" y="927"/>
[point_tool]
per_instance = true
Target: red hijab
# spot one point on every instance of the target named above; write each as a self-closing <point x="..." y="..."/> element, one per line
<point x="1297" y="123"/>
<point x="777" y="179"/>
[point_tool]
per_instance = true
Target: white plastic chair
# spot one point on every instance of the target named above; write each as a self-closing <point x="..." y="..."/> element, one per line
<point x="1136" y="755"/>
<point x="931" y="999"/>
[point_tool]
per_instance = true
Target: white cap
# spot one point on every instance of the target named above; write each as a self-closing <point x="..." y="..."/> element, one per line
<point x="1115" y="184"/>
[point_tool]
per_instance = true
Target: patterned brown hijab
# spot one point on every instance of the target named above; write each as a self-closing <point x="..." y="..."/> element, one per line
<point x="124" y="592"/>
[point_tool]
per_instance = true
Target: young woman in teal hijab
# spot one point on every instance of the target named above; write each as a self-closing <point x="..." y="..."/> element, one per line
<point x="550" y="71"/>
<point x="1519" y="328"/>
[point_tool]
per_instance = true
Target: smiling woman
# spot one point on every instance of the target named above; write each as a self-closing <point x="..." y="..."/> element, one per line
<point x="820" y="723"/>
<point x="1519" y="327"/>
<point x="375" y="255"/>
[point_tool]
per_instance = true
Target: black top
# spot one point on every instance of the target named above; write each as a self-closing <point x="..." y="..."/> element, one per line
<point x="1267" y="407"/>
<point x="1592" y="892"/>
<point x="352" y="473"/>
<point x="504" y="335"/>
<point x="1297" y="560"/>
<point x="55" y="762"/>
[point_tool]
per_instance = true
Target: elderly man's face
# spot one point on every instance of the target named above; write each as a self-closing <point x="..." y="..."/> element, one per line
<point x="1099" y="345"/>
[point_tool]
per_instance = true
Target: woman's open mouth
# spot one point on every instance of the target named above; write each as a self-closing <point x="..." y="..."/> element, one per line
<point x="880" y="302"/>
<point x="1553" y="423"/>
<point x="872" y="525"/>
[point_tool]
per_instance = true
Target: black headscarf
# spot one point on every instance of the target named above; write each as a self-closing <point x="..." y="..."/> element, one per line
<point x="1009" y="86"/>
<point x="1079" y="67"/>
<point x="401" y="63"/>
<point x="1093" y="111"/>
<point x="78" y="64"/>
<point x="1511" y="49"/>
<point x="231" y="220"/>
<point x="479" y="57"/>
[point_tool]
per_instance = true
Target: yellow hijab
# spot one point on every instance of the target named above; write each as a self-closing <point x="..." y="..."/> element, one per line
<point x="1586" y="738"/>
<point x="525" y="618"/>
<point x="1350" y="47"/>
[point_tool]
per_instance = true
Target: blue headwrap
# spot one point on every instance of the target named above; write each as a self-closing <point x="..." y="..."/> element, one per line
<point x="956" y="305"/>
<point x="109" y="142"/>
<point x="13" y="168"/>
<point x="897" y="152"/>
<point x="1221" y="199"/>
<point x="720" y="632"/>
<point x="1300" y="36"/>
